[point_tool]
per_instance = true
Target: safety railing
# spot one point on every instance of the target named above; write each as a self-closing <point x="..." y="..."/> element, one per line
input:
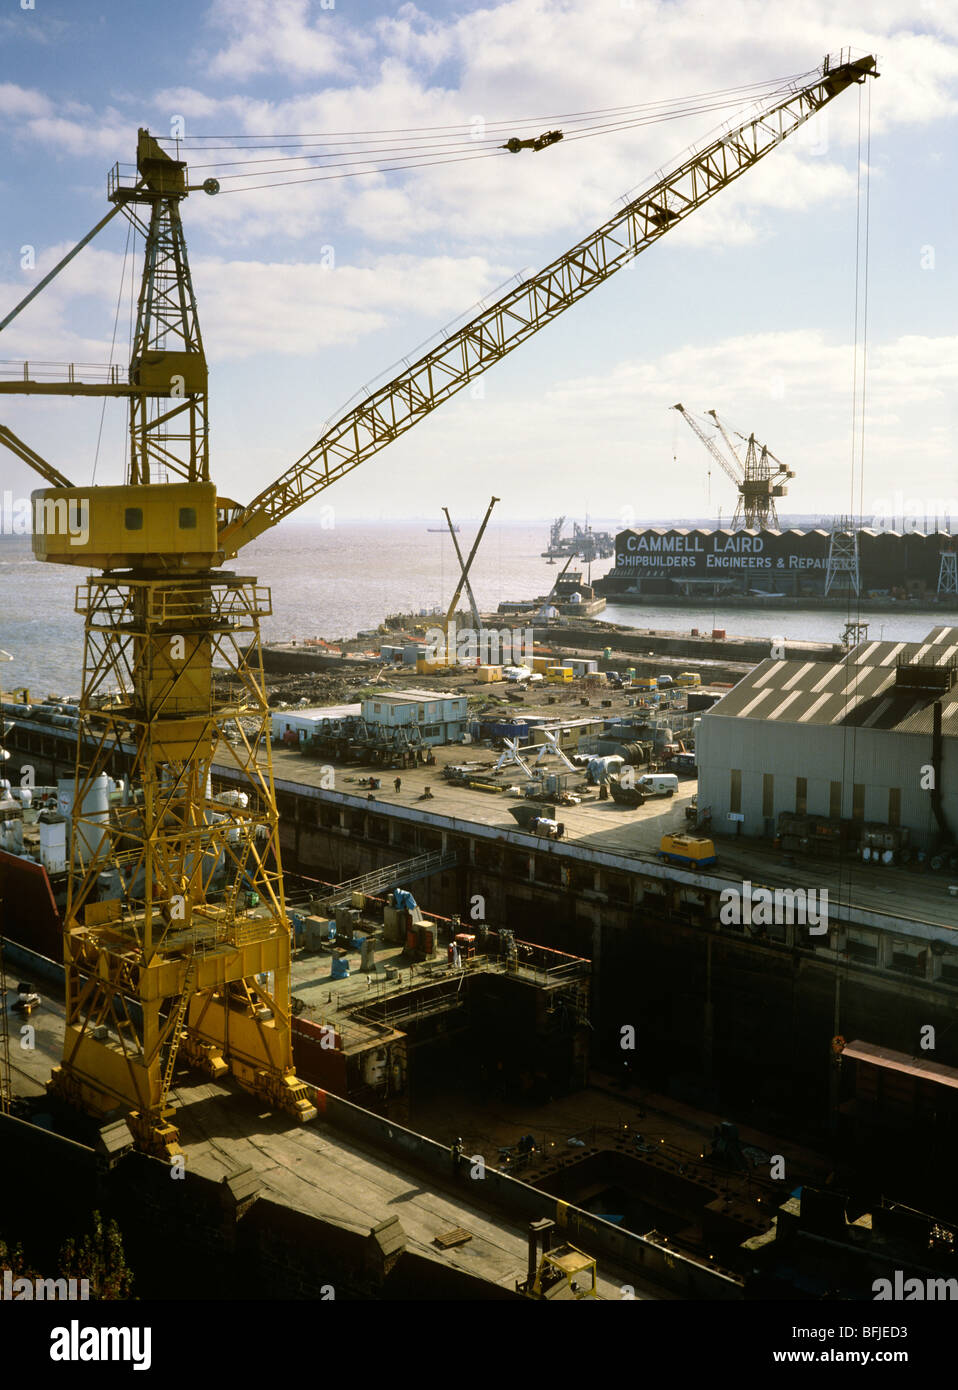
<point x="73" y="373"/>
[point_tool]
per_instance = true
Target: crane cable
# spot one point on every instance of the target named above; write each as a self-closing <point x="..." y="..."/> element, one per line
<point x="116" y="323"/>
<point x="510" y="123"/>
<point x="614" y="116"/>
<point x="350" y="164"/>
<point x="857" y="462"/>
<point x="459" y="144"/>
<point x="392" y="168"/>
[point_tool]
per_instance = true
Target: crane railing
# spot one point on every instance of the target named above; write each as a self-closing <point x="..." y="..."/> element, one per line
<point x="73" y="373"/>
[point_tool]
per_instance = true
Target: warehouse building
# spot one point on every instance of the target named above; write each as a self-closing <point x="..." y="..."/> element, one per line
<point x="871" y="741"/>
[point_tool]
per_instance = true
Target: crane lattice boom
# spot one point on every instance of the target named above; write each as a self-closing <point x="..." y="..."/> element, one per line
<point x="401" y="403"/>
<point x="728" y="441"/>
<point x="710" y="444"/>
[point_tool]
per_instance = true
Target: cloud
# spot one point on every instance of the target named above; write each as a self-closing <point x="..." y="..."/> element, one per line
<point x="414" y="249"/>
<point x="411" y="70"/>
<point x="247" y="308"/>
<point x="794" y="389"/>
<point x="20" y="102"/>
<point x="290" y="36"/>
<point x="69" y="127"/>
<point x="302" y="308"/>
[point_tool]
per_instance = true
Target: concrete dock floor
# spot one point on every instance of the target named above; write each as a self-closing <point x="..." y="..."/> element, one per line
<point x="603" y="827"/>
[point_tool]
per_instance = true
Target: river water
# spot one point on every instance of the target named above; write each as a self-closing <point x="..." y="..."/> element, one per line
<point x="334" y="582"/>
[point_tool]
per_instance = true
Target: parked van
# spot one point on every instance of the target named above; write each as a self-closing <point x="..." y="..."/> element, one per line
<point x="657" y="784"/>
<point x="664" y="681"/>
<point x="688" y="678"/>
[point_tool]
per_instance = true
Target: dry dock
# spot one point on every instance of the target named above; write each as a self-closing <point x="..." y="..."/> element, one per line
<point x="337" y="1189"/>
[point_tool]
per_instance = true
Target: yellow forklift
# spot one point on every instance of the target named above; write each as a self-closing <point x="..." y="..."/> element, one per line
<point x="561" y="1272"/>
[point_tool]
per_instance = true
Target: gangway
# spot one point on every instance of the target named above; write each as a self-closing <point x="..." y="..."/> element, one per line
<point x="390" y="876"/>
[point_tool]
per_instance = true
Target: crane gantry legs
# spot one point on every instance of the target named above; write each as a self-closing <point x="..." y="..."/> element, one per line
<point x="176" y="938"/>
<point x="174" y="892"/>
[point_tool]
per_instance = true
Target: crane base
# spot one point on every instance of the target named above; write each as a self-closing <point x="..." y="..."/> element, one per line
<point x="281" y="1089"/>
<point x="153" y="1134"/>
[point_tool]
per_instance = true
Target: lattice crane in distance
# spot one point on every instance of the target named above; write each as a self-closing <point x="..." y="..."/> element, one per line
<point x="177" y="891"/>
<point x="759" y="478"/>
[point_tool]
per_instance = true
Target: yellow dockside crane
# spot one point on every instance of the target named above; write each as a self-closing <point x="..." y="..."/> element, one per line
<point x="176" y="914"/>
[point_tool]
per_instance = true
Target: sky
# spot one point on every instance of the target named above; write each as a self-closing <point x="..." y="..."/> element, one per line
<point x="308" y="291"/>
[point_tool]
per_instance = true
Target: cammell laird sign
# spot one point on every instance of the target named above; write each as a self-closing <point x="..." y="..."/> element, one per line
<point x="704" y="552"/>
<point x="887" y="558"/>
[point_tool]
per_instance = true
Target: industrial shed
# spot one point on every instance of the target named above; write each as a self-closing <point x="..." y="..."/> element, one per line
<point x="850" y="741"/>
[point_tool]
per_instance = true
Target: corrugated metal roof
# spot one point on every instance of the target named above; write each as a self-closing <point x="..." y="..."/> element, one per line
<point x="318" y="712"/>
<point x="921" y="721"/>
<point x="859" y="691"/>
<point x="412" y="697"/>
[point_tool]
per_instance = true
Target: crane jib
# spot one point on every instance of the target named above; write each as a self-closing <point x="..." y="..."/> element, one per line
<point x="395" y="407"/>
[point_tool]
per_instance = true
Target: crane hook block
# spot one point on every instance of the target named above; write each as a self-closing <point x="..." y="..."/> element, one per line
<point x="540" y="142"/>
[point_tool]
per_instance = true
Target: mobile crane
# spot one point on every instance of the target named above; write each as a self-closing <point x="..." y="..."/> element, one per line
<point x="176" y="911"/>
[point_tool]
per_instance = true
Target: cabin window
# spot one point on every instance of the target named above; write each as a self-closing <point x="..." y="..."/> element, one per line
<point x="133" y="518"/>
<point x="187" y="518"/>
